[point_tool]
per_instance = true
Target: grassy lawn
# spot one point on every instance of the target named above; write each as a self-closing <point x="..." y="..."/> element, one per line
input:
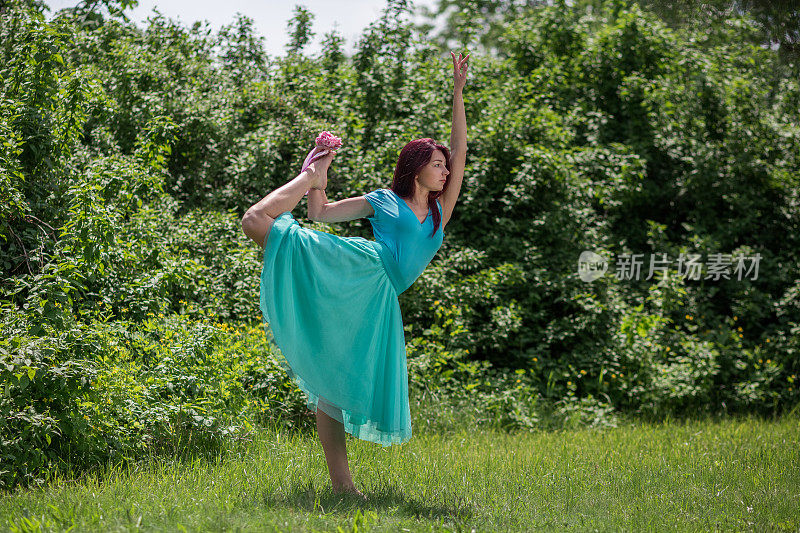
<point x="734" y="474"/>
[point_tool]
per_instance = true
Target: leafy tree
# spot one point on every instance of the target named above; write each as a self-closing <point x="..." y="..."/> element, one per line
<point x="299" y="26"/>
<point x="466" y="23"/>
<point x="242" y="52"/>
<point x="778" y="21"/>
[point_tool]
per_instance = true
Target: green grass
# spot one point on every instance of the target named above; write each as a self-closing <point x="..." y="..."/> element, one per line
<point x="695" y="476"/>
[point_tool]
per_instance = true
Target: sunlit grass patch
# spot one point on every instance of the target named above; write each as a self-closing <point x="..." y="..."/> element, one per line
<point x="702" y="475"/>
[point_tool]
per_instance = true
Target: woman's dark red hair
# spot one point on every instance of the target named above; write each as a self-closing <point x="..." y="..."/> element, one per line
<point x="413" y="158"/>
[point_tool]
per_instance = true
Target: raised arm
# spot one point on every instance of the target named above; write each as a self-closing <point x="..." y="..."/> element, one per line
<point x="458" y="139"/>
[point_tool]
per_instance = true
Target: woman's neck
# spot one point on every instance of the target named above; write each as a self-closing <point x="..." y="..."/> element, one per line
<point x="420" y="198"/>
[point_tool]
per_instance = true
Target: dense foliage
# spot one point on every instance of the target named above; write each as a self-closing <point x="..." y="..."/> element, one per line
<point x="130" y="322"/>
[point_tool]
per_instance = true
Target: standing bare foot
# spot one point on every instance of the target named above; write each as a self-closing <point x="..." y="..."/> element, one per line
<point x="349" y="490"/>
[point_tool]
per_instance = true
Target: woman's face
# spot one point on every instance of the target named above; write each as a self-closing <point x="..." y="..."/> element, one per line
<point x="432" y="176"/>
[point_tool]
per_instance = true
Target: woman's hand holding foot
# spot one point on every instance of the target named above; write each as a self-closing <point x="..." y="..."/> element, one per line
<point x="318" y="170"/>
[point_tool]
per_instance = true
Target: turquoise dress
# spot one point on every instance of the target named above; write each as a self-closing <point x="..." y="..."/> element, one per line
<point x="330" y="305"/>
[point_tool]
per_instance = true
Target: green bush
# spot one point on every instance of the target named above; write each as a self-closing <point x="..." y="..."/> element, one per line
<point x="90" y="390"/>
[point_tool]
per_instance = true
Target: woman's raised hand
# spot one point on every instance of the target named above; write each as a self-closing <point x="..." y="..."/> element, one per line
<point x="459" y="71"/>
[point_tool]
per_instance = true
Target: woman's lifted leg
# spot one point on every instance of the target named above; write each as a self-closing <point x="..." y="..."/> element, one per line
<point x="257" y="221"/>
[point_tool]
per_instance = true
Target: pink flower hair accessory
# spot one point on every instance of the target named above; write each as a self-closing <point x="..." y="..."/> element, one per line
<point x="325" y="141"/>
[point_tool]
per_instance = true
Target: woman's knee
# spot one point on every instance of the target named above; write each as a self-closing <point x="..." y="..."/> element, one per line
<point x="257" y="226"/>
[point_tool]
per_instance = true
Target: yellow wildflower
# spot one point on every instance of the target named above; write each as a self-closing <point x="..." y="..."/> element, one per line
<point x="688" y="317"/>
<point x="735" y="319"/>
<point x="569" y="383"/>
<point x="583" y="372"/>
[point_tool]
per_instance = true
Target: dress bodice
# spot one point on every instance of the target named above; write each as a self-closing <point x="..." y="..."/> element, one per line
<point x="412" y="243"/>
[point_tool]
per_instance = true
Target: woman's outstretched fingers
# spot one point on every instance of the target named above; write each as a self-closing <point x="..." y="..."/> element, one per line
<point x="459" y="62"/>
<point x="459" y="70"/>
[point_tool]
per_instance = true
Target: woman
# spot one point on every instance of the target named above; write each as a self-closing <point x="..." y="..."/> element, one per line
<point x="330" y="303"/>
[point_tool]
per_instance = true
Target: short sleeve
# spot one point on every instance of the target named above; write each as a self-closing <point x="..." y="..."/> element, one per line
<point x="377" y="200"/>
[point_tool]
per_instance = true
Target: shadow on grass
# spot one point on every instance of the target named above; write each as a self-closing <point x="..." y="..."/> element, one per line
<point x="313" y="499"/>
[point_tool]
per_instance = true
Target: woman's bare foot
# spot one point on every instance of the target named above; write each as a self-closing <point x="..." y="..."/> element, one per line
<point x="318" y="180"/>
<point x="350" y="490"/>
<point x="319" y="170"/>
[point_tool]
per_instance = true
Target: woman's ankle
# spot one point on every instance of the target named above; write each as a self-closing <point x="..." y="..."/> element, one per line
<point x="316" y="180"/>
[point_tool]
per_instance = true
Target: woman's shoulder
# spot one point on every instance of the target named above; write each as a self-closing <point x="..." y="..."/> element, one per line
<point x="381" y="195"/>
<point x="380" y="199"/>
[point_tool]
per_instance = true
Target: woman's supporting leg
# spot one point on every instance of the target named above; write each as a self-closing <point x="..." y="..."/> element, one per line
<point x="257" y="221"/>
<point x="331" y="435"/>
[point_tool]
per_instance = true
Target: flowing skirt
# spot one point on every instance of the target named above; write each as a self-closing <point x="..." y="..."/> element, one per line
<point x="332" y="310"/>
